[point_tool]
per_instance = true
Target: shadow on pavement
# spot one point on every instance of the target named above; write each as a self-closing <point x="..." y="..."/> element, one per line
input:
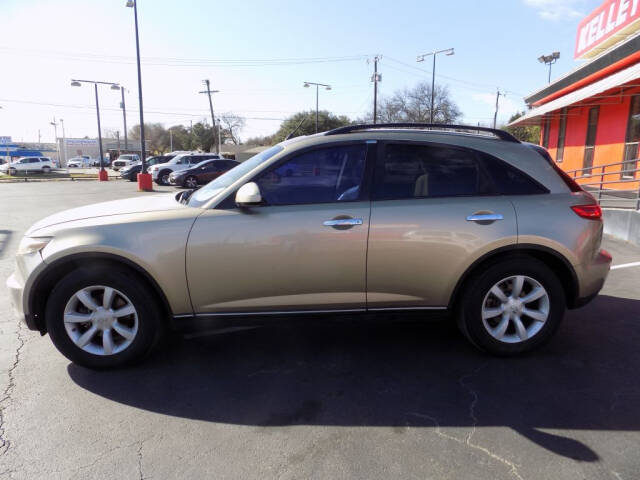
<point x="418" y="375"/>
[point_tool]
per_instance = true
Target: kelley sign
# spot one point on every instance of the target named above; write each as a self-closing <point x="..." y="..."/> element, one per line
<point x="607" y="25"/>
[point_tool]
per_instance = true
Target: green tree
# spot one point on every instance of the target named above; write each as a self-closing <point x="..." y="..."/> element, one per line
<point x="326" y="121"/>
<point x="155" y="135"/>
<point x="523" y="133"/>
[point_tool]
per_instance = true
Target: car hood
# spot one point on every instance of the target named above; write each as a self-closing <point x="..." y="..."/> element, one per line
<point x="152" y="203"/>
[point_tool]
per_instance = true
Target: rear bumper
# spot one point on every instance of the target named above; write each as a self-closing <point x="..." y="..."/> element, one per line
<point x="592" y="277"/>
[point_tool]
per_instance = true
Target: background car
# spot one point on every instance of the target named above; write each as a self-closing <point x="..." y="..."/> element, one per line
<point x="80" y="162"/>
<point x="201" y="173"/>
<point x="28" y="164"/>
<point x="160" y="173"/>
<point x="124" y="161"/>
<point x="131" y="172"/>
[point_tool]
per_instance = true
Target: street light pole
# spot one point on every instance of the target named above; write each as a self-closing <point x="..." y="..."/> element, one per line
<point x="102" y="175"/>
<point x="318" y="85"/>
<point x="446" y="51"/>
<point x="64" y="142"/>
<point x="124" y="118"/>
<point x="144" y="179"/>
<point x="549" y="60"/>
<point x="55" y="133"/>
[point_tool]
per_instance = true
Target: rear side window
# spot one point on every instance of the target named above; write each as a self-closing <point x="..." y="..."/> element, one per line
<point x="508" y="180"/>
<point x="413" y="171"/>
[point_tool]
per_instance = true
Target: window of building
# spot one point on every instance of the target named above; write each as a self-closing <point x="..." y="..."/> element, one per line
<point x="546" y="126"/>
<point x="590" y="143"/>
<point x="562" y="133"/>
<point x="630" y="158"/>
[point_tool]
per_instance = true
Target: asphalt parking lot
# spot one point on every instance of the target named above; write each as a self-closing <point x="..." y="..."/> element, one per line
<point x="326" y="401"/>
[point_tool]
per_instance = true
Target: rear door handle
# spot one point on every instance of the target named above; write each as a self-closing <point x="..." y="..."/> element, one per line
<point x="484" y="217"/>
<point x="343" y="222"/>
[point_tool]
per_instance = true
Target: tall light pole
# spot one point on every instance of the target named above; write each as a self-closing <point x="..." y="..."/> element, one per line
<point x="318" y="85"/>
<point x="102" y="175"/>
<point x="55" y="133"/>
<point x="64" y="141"/>
<point x="549" y="60"/>
<point x="446" y="51"/>
<point x="144" y="179"/>
<point x="124" y="117"/>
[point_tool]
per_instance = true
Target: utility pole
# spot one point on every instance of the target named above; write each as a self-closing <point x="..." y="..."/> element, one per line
<point x="38" y="138"/>
<point x="208" y="91"/>
<point x="495" y="115"/>
<point x="124" y="118"/>
<point x="64" y="143"/>
<point x="118" y="137"/>
<point x="55" y="133"/>
<point x="219" y="137"/>
<point x="375" y="78"/>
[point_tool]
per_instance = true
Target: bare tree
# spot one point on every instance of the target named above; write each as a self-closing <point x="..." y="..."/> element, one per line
<point x="414" y="105"/>
<point x="231" y="126"/>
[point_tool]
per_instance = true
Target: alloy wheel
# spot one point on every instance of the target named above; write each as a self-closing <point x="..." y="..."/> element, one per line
<point x="101" y="320"/>
<point x="191" y="182"/>
<point x="515" y="309"/>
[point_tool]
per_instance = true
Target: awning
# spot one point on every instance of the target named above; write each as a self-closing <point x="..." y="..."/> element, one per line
<point x="534" y="116"/>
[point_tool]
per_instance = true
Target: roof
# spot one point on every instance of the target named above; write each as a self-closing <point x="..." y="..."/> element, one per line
<point x="609" y="57"/>
<point x="534" y="116"/>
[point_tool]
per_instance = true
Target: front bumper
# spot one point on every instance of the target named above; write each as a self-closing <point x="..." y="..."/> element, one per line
<point x="20" y="285"/>
<point x="177" y="180"/>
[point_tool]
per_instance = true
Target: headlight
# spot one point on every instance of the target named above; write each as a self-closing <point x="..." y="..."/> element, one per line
<point x="32" y="244"/>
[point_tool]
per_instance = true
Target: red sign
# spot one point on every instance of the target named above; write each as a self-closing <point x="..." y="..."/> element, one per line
<point x="600" y="27"/>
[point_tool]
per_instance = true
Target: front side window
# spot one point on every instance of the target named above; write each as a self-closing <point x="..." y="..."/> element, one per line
<point x="413" y="171"/>
<point x="322" y="175"/>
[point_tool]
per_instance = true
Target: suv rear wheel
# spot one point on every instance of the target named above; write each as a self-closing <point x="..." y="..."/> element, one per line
<point x="102" y="318"/>
<point x="512" y="307"/>
<point x="46" y="169"/>
<point x="163" y="177"/>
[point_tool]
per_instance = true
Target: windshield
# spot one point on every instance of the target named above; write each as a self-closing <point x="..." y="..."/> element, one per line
<point x="214" y="187"/>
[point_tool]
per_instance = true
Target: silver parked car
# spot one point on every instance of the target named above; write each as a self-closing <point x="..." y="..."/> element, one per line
<point x="363" y="219"/>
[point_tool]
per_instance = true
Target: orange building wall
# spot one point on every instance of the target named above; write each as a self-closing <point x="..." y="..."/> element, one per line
<point x="610" y="137"/>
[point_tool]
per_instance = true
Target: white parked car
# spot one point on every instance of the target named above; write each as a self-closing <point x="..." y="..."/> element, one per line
<point x="124" y="161"/>
<point x="80" y="162"/>
<point x="160" y="173"/>
<point x="25" y="164"/>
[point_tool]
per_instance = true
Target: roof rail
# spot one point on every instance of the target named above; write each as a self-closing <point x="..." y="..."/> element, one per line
<point x="501" y="134"/>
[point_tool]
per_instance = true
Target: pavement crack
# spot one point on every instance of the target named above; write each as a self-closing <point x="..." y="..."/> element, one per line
<point x="467" y="441"/>
<point x="6" y="399"/>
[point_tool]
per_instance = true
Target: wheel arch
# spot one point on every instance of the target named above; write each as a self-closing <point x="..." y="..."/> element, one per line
<point x="554" y="260"/>
<point x="46" y="281"/>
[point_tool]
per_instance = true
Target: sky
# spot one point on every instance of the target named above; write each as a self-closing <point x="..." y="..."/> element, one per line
<point x="259" y="53"/>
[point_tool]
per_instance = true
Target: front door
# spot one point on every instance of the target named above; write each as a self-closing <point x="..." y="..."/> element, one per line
<point x="303" y="250"/>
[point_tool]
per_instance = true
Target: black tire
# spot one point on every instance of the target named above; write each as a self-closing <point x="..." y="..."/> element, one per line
<point x="163" y="173"/>
<point x="132" y="178"/>
<point x="46" y="169"/>
<point x="12" y="171"/>
<point x="469" y="309"/>
<point x="192" y="179"/>
<point x="150" y="321"/>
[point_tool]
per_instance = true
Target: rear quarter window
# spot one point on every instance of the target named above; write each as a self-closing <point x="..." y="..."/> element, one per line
<point x="508" y="180"/>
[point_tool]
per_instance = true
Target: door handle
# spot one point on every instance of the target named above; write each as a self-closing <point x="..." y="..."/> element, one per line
<point x="485" y="217"/>
<point x="342" y="222"/>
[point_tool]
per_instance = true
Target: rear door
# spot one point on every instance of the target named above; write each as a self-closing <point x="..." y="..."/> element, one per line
<point x="433" y="213"/>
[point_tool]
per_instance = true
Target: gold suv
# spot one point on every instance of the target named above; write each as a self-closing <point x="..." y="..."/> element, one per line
<point x="359" y="220"/>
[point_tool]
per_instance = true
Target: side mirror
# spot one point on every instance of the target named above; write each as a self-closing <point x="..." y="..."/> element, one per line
<point x="248" y="195"/>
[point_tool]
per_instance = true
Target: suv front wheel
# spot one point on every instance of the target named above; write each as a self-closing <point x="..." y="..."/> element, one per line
<point x="512" y="307"/>
<point x="102" y="318"/>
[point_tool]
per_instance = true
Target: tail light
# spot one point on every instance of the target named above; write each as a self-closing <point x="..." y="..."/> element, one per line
<point x="591" y="211"/>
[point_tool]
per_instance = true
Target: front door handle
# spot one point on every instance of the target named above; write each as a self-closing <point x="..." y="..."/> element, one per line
<point x="484" y="217"/>
<point x="342" y="222"/>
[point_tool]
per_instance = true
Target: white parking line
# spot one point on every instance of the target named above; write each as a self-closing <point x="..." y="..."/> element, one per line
<point x="626" y="265"/>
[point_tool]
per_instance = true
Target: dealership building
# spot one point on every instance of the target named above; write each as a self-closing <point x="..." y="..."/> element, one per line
<point x="590" y="117"/>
